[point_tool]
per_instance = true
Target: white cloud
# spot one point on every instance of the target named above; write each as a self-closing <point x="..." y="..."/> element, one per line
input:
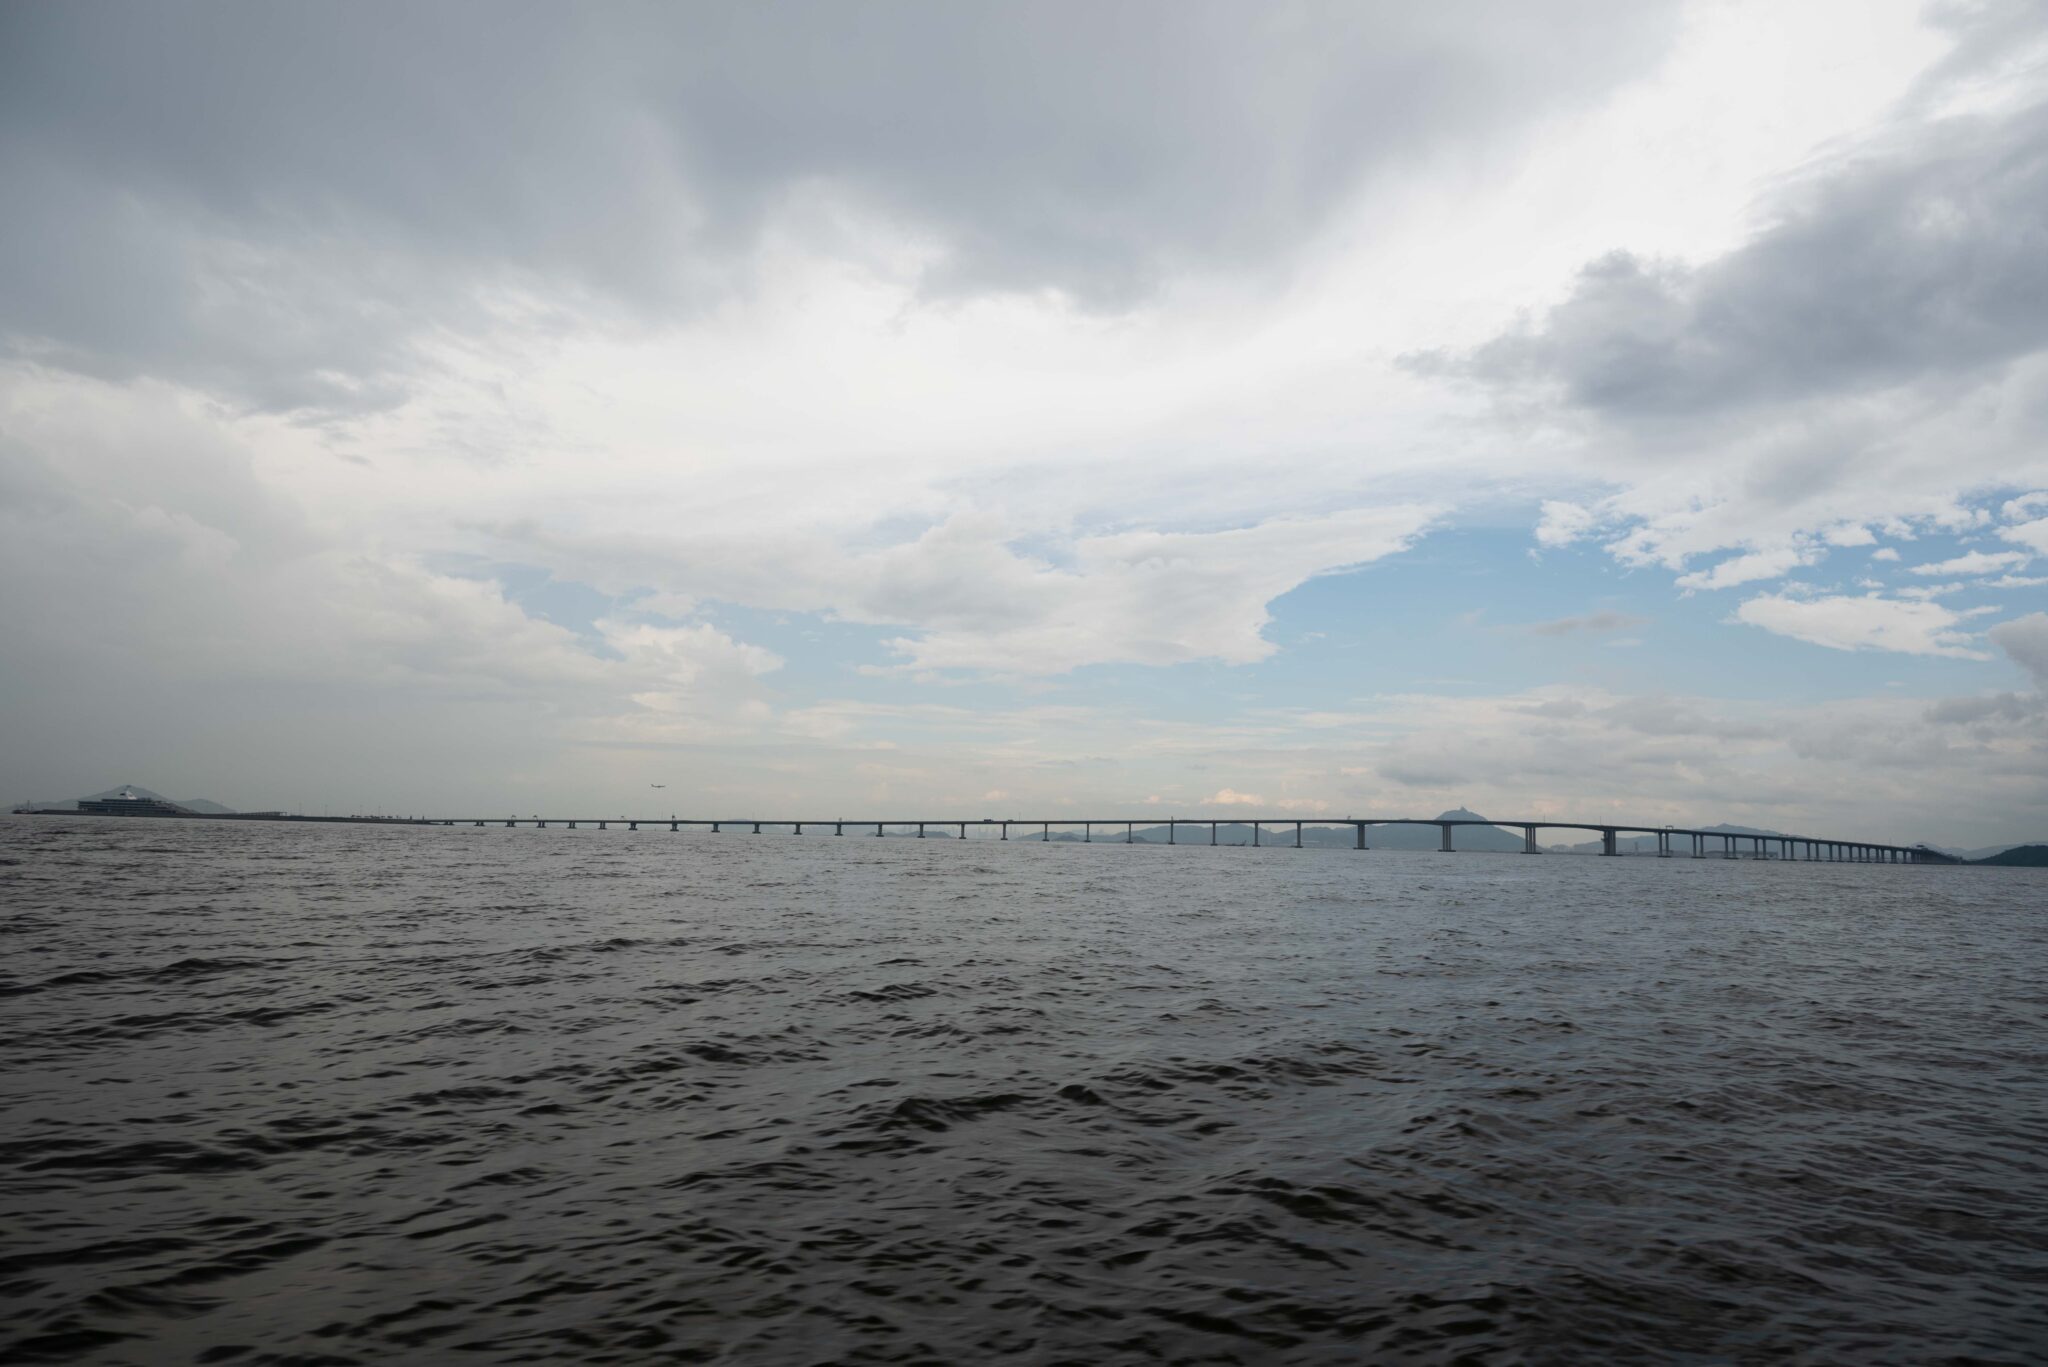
<point x="1747" y="569"/>
<point x="2033" y="535"/>
<point x="1888" y="553"/>
<point x="1562" y="523"/>
<point x="1976" y="562"/>
<point x="1868" y="623"/>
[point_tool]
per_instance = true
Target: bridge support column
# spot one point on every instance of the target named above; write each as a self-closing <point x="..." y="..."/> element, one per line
<point x="963" y="830"/>
<point x="1447" y="836"/>
<point x="920" y="830"/>
<point x="1255" y="835"/>
<point x="1006" y="830"/>
<point x="632" y="825"/>
<point x="1361" y="837"/>
<point x="839" y="828"/>
<point x="510" y="824"/>
<point x="1087" y="833"/>
<point x="1130" y="833"/>
<point x="1045" y="831"/>
<point x="572" y="825"/>
<point x="1169" y="830"/>
<point x="1212" y="833"/>
<point x="799" y="828"/>
<point x="878" y="830"/>
<point x="1607" y="841"/>
<point x="671" y="825"/>
<point x="757" y="828"/>
<point x="1297" y="835"/>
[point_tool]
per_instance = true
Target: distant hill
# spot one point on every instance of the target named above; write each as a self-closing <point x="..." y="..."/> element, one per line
<point x="197" y="804"/>
<point x="2019" y="856"/>
<point x="1982" y="853"/>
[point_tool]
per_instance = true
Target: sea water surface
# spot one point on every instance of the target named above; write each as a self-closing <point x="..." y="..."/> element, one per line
<point x="324" y="1095"/>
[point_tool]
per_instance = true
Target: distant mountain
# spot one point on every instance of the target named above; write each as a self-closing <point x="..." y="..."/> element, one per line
<point x="2019" y="856"/>
<point x="1982" y="853"/>
<point x="197" y="804"/>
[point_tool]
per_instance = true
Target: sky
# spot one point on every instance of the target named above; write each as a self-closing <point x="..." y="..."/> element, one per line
<point x="1563" y="410"/>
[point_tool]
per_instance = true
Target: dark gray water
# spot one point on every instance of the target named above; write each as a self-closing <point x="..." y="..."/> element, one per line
<point x="307" y="1095"/>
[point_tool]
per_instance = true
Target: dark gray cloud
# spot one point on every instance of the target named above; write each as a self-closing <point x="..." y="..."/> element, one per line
<point x="276" y="202"/>
<point x="1920" y="258"/>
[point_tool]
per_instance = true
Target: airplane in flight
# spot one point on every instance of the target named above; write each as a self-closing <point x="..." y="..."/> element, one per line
<point x="657" y="785"/>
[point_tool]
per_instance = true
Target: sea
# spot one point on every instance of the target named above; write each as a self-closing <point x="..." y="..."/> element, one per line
<point x="340" y="1094"/>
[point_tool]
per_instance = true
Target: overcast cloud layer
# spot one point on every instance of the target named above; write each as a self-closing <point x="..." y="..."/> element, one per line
<point x="1637" y="411"/>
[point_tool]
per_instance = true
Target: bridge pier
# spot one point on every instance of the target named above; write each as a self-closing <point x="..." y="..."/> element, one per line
<point x="878" y="830"/>
<point x="963" y="830"/>
<point x="1528" y="839"/>
<point x="799" y="828"/>
<point x="572" y="825"/>
<point x="1297" y="835"/>
<point x="1607" y="840"/>
<point x="510" y="824"/>
<point x="1006" y="830"/>
<point x="1361" y="837"/>
<point x="1130" y="833"/>
<point x="1087" y="833"/>
<point x="1255" y="835"/>
<point x="1212" y="833"/>
<point x="1169" y="831"/>
<point x="1045" y="831"/>
<point x="920" y="830"/>
<point x="1447" y="835"/>
<point x="757" y="828"/>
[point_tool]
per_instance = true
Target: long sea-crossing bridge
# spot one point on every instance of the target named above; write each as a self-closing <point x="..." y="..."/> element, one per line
<point x="1698" y="844"/>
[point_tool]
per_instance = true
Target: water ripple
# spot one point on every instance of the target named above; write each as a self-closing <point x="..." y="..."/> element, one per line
<point x="353" y="1095"/>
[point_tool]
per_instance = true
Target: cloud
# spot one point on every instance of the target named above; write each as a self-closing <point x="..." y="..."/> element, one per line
<point x="1872" y="352"/>
<point x="1562" y="523"/>
<point x="2033" y="535"/>
<point x="977" y="602"/>
<point x="2025" y="641"/>
<point x="1914" y="261"/>
<point x="1230" y="797"/>
<point x="1888" y="553"/>
<point x="1591" y="622"/>
<point x="293" y="206"/>
<point x="1976" y="562"/>
<point x="1868" y="623"/>
<point x="1747" y="569"/>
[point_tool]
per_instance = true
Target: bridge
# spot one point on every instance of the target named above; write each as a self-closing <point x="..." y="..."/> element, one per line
<point x="1700" y="844"/>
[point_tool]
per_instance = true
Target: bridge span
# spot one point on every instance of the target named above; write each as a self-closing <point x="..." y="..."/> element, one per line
<point x="1698" y="844"/>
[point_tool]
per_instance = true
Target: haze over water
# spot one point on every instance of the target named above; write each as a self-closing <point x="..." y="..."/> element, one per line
<point x="345" y="1094"/>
